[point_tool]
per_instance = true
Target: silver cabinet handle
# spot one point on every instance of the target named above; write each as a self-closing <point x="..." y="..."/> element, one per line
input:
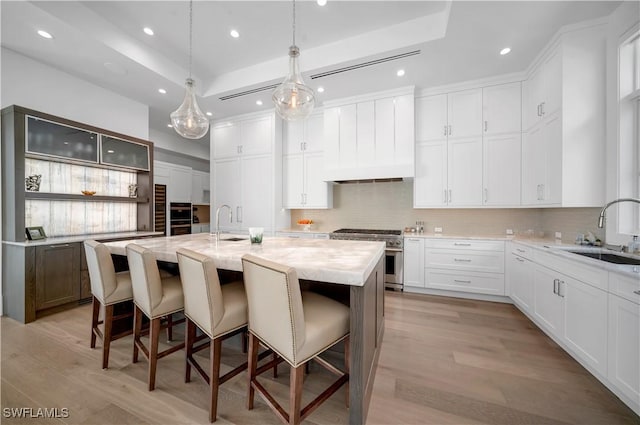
<point x="462" y="260"/>
<point x="445" y="196"/>
<point x="520" y="259"/>
<point x="542" y="108"/>
<point x="485" y="126"/>
<point x="556" y="283"/>
<point x="539" y="110"/>
<point x="445" y="130"/>
<point x="461" y="244"/>
<point x="559" y="283"/>
<point x="461" y="281"/>
<point x="542" y="197"/>
<point x="414" y="240"/>
<point x="637" y="292"/>
<point x="449" y="129"/>
<point x="305" y="146"/>
<point x="238" y="149"/>
<point x="301" y="146"/>
<point x="450" y="197"/>
<point x="239" y="214"/>
<point x="486" y="194"/>
<point x="520" y="250"/>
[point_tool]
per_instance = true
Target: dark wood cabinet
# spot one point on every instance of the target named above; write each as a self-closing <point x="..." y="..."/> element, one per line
<point x="57" y="275"/>
<point x="85" y="282"/>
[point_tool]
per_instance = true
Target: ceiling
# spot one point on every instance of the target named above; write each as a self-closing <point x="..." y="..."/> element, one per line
<point x="103" y="42"/>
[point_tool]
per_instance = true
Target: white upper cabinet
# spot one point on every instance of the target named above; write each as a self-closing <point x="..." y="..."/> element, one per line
<point x="430" y="182"/>
<point x="226" y="138"/>
<point x="543" y="90"/>
<point x="431" y="118"/>
<point x="303" y="165"/>
<point x="501" y="108"/>
<point x="464" y="118"/>
<point x="200" y="187"/>
<point x="249" y="136"/>
<point x="370" y="137"/>
<point x="464" y="174"/>
<point x="501" y="169"/>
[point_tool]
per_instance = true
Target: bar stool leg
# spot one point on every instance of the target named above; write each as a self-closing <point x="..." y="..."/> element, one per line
<point x="153" y="351"/>
<point x="347" y="361"/>
<point x="137" y="330"/>
<point x="106" y="342"/>
<point x="189" y="338"/>
<point x="295" y="394"/>
<point x="169" y="327"/>
<point x="94" y="321"/>
<point x="214" y="377"/>
<point x="253" y="363"/>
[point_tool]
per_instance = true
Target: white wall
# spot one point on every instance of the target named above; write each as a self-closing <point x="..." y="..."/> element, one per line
<point x="620" y="22"/>
<point x="34" y="85"/>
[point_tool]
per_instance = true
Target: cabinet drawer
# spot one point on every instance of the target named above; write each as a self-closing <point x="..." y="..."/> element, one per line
<point x="577" y="269"/>
<point x="521" y="250"/>
<point x="479" y="261"/>
<point x="465" y="244"/>
<point x="625" y="287"/>
<point x="479" y="283"/>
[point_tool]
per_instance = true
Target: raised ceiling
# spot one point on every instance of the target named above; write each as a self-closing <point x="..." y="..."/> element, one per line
<point x="457" y="41"/>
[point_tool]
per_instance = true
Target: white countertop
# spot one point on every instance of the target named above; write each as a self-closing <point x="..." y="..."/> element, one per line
<point x="450" y="236"/>
<point x="82" y="238"/>
<point x="344" y="262"/>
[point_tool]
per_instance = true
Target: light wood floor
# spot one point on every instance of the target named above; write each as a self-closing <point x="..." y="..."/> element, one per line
<point x="443" y="361"/>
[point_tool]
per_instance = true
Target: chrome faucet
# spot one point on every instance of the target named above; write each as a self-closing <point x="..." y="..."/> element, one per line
<point x="218" y="219"/>
<point x="602" y="213"/>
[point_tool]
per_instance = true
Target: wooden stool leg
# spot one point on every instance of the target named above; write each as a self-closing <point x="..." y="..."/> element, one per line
<point x="170" y="328"/>
<point x="245" y="340"/>
<point x="153" y="351"/>
<point x="347" y="361"/>
<point x="253" y="363"/>
<point x="94" y="321"/>
<point x="295" y="394"/>
<point x="190" y="336"/>
<point x="214" y="377"/>
<point x="106" y="343"/>
<point x="275" y="367"/>
<point x="137" y="330"/>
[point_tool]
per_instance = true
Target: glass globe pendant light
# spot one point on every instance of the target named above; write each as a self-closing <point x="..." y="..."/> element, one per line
<point x="293" y="99"/>
<point x="188" y="120"/>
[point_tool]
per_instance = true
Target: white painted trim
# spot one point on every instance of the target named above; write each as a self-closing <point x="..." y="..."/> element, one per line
<point x="515" y="77"/>
<point x="243" y="117"/>
<point x="370" y="96"/>
<point x="456" y="294"/>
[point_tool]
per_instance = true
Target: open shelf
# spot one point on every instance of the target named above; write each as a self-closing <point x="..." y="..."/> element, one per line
<point x="74" y="197"/>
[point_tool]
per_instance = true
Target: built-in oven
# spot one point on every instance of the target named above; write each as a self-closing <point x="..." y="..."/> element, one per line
<point x="394" y="267"/>
<point x="180" y="218"/>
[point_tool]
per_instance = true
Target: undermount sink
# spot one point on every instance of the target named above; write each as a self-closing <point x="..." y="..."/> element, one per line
<point x="609" y="258"/>
<point x="234" y="239"/>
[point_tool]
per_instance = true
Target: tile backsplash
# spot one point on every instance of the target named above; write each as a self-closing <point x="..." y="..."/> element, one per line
<point x="389" y="205"/>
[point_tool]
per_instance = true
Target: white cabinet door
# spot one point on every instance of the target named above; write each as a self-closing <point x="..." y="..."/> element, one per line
<point x="404" y="129"/>
<point x="293" y="181"/>
<point x="384" y="131"/>
<point x="624" y="347"/>
<point x="465" y="113"/>
<point x="414" y="262"/>
<point x="552" y="142"/>
<point x="520" y="281"/>
<point x="431" y="118"/>
<point x="533" y="98"/>
<point x="331" y="118"/>
<point x="197" y="187"/>
<point x="501" y="169"/>
<point x="348" y="148"/>
<point x="552" y="84"/>
<point x="585" y="322"/>
<point x="547" y="304"/>
<point x="366" y="133"/>
<point x="533" y="167"/>
<point x="430" y="182"/>
<point x="293" y="137"/>
<point x="314" y="133"/>
<point x="465" y="172"/>
<point x="501" y="107"/>
<point x="256" y="136"/>
<point x="227" y="190"/>
<point x="317" y="192"/>
<point x="257" y="189"/>
<point x="179" y="188"/>
<point x="225" y="139"/>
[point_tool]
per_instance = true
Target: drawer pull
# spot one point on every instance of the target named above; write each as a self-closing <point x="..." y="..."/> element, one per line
<point x="462" y="260"/>
<point x="461" y="281"/>
<point x="461" y="244"/>
<point x="520" y="250"/>
<point x="520" y="259"/>
<point x="637" y="292"/>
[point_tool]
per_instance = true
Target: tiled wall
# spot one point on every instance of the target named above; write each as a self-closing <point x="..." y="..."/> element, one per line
<point x="389" y="205"/>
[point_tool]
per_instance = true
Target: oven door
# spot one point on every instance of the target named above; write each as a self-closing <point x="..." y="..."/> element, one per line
<point x="393" y="276"/>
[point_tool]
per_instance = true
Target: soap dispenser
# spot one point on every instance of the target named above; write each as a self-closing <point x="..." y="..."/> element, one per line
<point x="634" y="245"/>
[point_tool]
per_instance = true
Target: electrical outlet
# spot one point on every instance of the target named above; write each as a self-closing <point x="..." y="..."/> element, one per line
<point x="509" y="231"/>
<point x="437" y="229"/>
<point x="558" y="235"/>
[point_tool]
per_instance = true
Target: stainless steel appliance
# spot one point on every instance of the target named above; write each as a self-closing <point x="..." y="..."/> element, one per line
<point x="393" y="274"/>
<point x="180" y="218"/>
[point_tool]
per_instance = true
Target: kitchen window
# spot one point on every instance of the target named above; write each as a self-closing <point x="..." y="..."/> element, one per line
<point x="629" y="132"/>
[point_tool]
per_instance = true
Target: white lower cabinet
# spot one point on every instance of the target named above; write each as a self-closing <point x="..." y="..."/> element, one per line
<point x="547" y="304"/>
<point x="520" y="281"/>
<point x="474" y="282"/>
<point x="414" y="262"/>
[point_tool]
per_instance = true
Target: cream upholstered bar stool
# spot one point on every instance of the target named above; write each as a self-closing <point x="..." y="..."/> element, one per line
<point x="108" y="288"/>
<point x="298" y="326"/>
<point x="220" y="311"/>
<point x="154" y="297"/>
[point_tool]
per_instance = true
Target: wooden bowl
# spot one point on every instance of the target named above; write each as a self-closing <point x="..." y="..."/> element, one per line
<point x="88" y="192"/>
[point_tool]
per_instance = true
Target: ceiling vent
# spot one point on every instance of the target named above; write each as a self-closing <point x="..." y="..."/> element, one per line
<point x="365" y="64"/>
<point x="251" y="91"/>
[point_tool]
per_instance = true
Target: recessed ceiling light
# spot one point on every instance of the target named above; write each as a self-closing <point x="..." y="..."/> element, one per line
<point x="234" y="34"/>
<point x="110" y="151"/>
<point x="400" y="72"/>
<point x="505" y="51"/>
<point x="259" y="102"/>
<point x="320" y="90"/>
<point x="169" y="125"/>
<point x="148" y="31"/>
<point x="44" y="34"/>
<point x="321" y="2"/>
<point x="162" y="91"/>
<point x="209" y="114"/>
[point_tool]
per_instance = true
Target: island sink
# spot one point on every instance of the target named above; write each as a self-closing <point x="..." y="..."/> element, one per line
<point x="234" y="239"/>
<point x="609" y="258"/>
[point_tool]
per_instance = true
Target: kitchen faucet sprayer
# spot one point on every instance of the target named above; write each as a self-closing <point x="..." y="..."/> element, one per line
<point x="601" y="219"/>
<point x="218" y="219"/>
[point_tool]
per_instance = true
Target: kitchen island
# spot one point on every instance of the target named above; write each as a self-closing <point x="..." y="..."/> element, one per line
<point x="356" y="265"/>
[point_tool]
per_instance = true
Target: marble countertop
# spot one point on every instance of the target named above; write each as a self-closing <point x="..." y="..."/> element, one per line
<point x="343" y="262"/>
<point x="82" y="238"/>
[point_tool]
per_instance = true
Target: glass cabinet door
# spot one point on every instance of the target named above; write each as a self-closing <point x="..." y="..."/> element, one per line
<point x="48" y="138"/>
<point x="123" y="153"/>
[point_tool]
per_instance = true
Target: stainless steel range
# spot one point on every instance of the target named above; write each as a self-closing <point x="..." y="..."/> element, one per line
<point x="393" y="276"/>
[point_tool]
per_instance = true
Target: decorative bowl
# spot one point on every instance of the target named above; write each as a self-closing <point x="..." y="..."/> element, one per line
<point x="88" y="192"/>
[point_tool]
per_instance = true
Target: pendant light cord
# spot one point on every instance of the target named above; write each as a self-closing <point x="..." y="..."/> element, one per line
<point x="190" y="33"/>
<point x="294" y="22"/>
